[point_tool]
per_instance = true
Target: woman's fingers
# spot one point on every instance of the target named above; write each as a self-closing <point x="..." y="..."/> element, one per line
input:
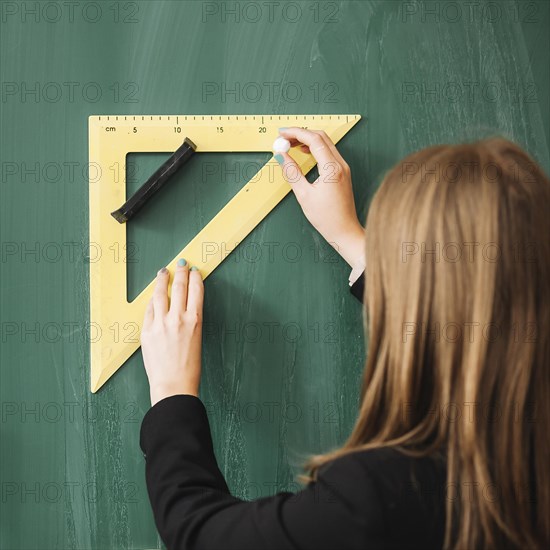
<point x="318" y="147"/>
<point x="301" y="146"/>
<point x="330" y="144"/>
<point x="149" y="314"/>
<point x="293" y="174"/>
<point x="186" y="293"/>
<point x="323" y="148"/>
<point x="178" y="298"/>
<point x="160" y="293"/>
<point x="195" y="297"/>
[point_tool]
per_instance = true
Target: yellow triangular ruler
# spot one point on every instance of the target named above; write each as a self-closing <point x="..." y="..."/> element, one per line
<point x="115" y="323"/>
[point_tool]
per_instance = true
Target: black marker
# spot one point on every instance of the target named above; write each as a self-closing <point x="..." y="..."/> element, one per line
<point x="155" y="182"/>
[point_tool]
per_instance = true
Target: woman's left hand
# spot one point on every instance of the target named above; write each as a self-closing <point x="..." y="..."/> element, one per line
<point x="171" y="337"/>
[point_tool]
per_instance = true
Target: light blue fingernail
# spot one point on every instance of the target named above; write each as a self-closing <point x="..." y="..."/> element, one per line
<point x="282" y="129"/>
<point x="182" y="262"/>
<point x="279" y="159"/>
<point x="194" y="268"/>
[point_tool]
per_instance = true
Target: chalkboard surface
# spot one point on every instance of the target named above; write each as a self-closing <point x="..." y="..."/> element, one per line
<point x="283" y="342"/>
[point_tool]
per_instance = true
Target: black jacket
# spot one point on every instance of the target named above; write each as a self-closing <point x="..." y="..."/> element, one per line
<point x="369" y="499"/>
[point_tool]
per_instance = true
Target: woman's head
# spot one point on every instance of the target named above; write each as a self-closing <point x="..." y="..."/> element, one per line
<point x="457" y="310"/>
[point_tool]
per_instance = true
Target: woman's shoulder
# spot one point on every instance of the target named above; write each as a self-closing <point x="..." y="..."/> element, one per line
<point x="391" y="461"/>
<point x="410" y="490"/>
<point x="395" y="471"/>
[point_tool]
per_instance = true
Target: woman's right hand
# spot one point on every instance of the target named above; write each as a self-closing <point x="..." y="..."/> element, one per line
<point x="328" y="202"/>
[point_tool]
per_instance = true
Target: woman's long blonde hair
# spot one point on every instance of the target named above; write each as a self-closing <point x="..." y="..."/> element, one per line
<point x="457" y="317"/>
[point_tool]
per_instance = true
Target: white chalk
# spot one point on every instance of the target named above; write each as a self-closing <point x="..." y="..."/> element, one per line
<point x="281" y="145"/>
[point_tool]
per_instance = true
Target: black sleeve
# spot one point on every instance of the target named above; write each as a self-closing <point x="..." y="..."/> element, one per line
<point x="193" y="508"/>
<point x="358" y="287"/>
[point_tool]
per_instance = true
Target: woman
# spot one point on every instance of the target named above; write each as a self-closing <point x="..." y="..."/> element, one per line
<point x="451" y="444"/>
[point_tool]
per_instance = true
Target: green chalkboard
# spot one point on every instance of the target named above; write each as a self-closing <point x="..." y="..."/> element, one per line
<point x="283" y="343"/>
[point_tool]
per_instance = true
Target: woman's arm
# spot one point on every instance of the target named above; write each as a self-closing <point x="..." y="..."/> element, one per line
<point x="190" y="499"/>
<point x="193" y="508"/>
<point x="328" y="202"/>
